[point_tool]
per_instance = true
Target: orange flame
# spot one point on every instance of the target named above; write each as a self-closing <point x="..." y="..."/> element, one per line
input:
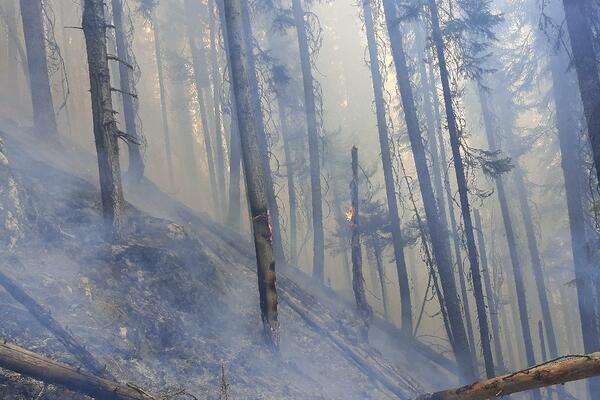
<point x="349" y="214"/>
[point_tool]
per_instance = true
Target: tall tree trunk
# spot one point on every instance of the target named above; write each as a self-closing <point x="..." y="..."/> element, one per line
<point x="388" y="173"/>
<point x="453" y="224"/>
<point x="163" y="101"/>
<point x="216" y="92"/>
<point x="511" y="241"/>
<point x="105" y="126"/>
<point x="262" y="137"/>
<point x="358" y="281"/>
<point x="485" y="272"/>
<point x="200" y="83"/>
<point x="253" y="166"/>
<point x="579" y="27"/>
<point x="127" y="87"/>
<point x="235" y="151"/>
<point x="289" y="172"/>
<point x="313" y="144"/>
<point x="44" y="119"/>
<point x="463" y="193"/>
<point x="571" y="163"/>
<point x="437" y="230"/>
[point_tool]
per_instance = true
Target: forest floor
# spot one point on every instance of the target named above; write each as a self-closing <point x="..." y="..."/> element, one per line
<point x="175" y="303"/>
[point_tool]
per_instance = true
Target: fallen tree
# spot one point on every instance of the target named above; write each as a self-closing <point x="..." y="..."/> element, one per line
<point x="558" y="371"/>
<point x="45" y="319"/>
<point x="25" y="362"/>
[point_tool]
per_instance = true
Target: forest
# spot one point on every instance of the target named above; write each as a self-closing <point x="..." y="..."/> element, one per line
<point x="299" y="199"/>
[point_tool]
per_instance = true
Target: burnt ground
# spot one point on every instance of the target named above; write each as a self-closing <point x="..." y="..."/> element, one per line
<point x="172" y="305"/>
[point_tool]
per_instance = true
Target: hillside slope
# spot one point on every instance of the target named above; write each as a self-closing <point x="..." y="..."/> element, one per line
<point x="175" y="303"/>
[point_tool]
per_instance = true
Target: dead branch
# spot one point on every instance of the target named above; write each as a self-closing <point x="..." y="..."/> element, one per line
<point x="25" y="362"/>
<point x="558" y="371"/>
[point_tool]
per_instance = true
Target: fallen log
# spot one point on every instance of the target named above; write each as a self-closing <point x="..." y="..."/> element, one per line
<point x="25" y="362"/>
<point x="558" y="371"/>
<point x="46" y="320"/>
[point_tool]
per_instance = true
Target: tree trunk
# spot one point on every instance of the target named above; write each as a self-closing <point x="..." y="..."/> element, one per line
<point x="358" y="281"/>
<point x="235" y="152"/>
<point x="585" y="60"/>
<point x="163" y="101"/>
<point x="571" y="163"/>
<point x="289" y="172"/>
<point x="485" y="271"/>
<point x="388" y="173"/>
<point x="262" y="137"/>
<point x="27" y="363"/>
<point x="216" y="92"/>
<point x="200" y="83"/>
<point x="44" y="119"/>
<point x="377" y="252"/>
<point x="127" y="87"/>
<point x="560" y="371"/>
<point x="437" y="230"/>
<point x="313" y="144"/>
<point x="453" y="225"/>
<point x="253" y="166"/>
<point x="105" y="126"/>
<point x="511" y="241"/>
<point x="463" y="193"/>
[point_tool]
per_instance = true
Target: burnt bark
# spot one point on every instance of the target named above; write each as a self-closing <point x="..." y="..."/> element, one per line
<point x="105" y="126"/>
<point x="313" y="143"/>
<point x="253" y="167"/>
<point x="44" y="119"/>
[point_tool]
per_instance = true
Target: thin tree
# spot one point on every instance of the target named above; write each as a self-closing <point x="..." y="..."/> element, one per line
<point x="105" y="126"/>
<point x="459" y="170"/>
<point x="358" y="281"/>
<point x="313" y="143"/>
<point x="216" y="100"/>
<point x="127" y="91"/>
<point x="44" y="119"/>
<point x="585" y="59"/>
<point x="253" y="167"/>
<point x="437" y="229"/>
<point x="388" y="173"/>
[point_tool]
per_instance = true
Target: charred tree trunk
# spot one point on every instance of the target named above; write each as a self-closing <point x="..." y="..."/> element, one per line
<point x="358" y="281"/>
<point x="585" y="60"/>
<point x="560" y="371"/>
<point x="511" y="241"/>
<point x="105" y="126"/>
<point x="216" y="93"/>
<point x="262" y="137"/>
<point x="463" y="193"/>
<point x="127" y="92"/>
<point x="313" y="144"/>
<point x="437" y="230"/>
<point x="201" y="82"/>
<point x="485" y="272"/>
<point x="44" y="119"/>
<point x="235" y="151"/>
<point x="253" y="166"/>
<point x="388" y="173"/>
<point x="27" y="363"/>
<point x="163" y="101"/>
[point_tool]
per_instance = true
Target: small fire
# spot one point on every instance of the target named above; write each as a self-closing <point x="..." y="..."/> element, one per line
<point x="349" y="214"/>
